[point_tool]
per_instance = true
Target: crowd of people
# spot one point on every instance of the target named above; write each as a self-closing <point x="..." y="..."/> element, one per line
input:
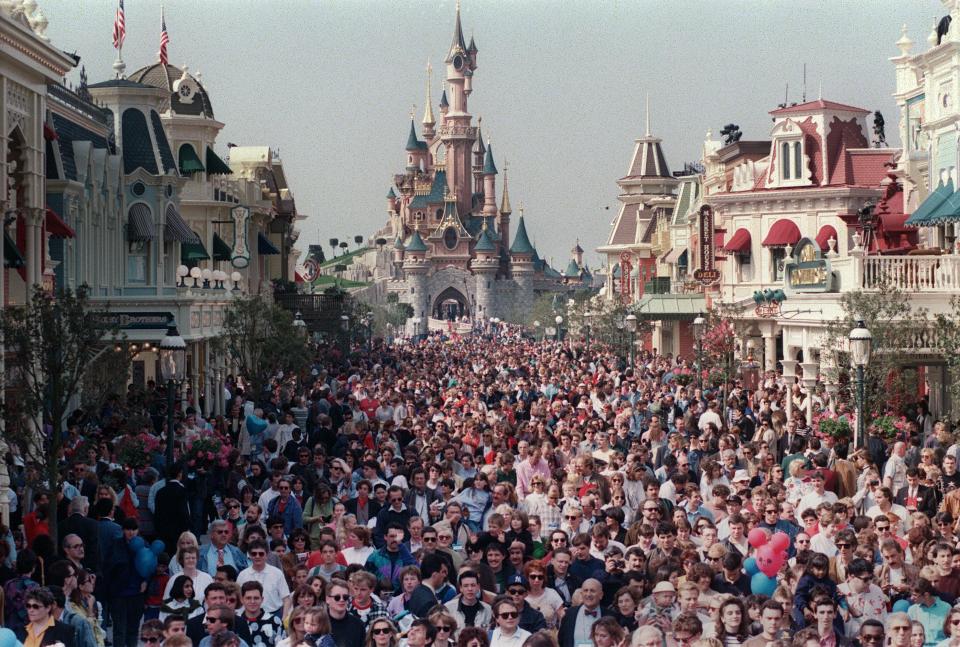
<point x="487" y="490"/>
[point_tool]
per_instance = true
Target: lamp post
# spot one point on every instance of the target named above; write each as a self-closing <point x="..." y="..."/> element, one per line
<point x="587" y="316"/>
<point x="416" y="328"/>
<point x="699" y="326"/>
<point x="861" y="343"/>
<point x="630" y="322"/>
<point x="299" y="325"/>
<point x="173" y="363"/>
<point x="559" y="321"/>
<point x="536" y="329"/>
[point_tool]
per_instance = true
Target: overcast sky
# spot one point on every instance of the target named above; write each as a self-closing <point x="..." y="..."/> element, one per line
<point x="560" y="85"/>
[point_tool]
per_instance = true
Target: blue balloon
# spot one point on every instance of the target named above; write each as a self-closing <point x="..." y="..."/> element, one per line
<point x="900" y="606"/>
<point x="146" y="563"/>
<point x="8" y="638"/>
<point x="137" y="543"/>
<point x="761" y="584"/>
<point x="157" y="547"/>
<point x="750" y="566"/>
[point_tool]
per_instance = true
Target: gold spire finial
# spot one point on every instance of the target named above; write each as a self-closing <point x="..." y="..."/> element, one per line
<point x="428" y="110"/>
<point x="413" y="111"/>
<point x="505" y="208"/>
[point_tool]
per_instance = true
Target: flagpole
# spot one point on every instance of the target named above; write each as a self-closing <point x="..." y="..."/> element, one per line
<point x="118" y="65"/>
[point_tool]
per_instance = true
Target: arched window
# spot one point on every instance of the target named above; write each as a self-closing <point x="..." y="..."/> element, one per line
<point x="797" y="162"/>
<point x="785" y="160"/>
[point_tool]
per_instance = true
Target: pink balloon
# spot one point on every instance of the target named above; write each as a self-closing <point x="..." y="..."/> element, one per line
<point x="780" y="541"/>
<point x="758" y="537"/>
<point x="770" y="560"/>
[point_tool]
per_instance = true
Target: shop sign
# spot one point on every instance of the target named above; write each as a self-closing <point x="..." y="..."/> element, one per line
<point x="809" y="271"/>
<point x="768" y="310"/>
<point x="707" y="274"/>
<point x="626" y="278"/>
<point x="241" y="246"/>
<point x="135" y="320"/>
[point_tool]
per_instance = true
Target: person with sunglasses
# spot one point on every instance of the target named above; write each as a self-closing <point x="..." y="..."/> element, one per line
<point x="346" y="628"/>
<point x="864" y="599"/>
<point x="382" y="633"/>
<point x="218" y="619"/>
<point x="506" y="624"/>
<point x="271" y="578"/>
<point x="42" y="626"/>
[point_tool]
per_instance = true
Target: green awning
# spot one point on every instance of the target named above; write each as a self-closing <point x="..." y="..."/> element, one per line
<point x="265" y="247"/>
<point x="221" y="250"/>
<point x="189" y="162"/>
<point x="191" y="253"/>
<point x="215" y="165"/>
<point x="930" y="206"/>
<point x="948" y="211"/>
<point x="664" y="307"/>
<point x="11" y="253"/>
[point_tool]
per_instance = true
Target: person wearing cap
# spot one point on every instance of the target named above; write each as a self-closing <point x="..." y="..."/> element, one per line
<point x="816" y="496"/>
<point x="741" y="483"/>
<point x="661" y="609"/>
<point x="530" y="619"/>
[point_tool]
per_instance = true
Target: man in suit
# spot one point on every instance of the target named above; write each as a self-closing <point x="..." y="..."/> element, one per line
<point x="364" y="507"/>
<point x="172" y="511"/>
<point x="86" y="487"/>
<point x="42" y="623"/>
<point x="916" y="497"/>
<point x="78" y="524"/>
<point x="108" y="530"/>
<point x="578" y="620"/>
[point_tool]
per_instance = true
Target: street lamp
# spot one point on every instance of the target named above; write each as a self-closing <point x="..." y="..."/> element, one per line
<point x="559" y="321"/>
<point x="299" y="325"/>
<point x="173" y="369"/>
<point x="699" y="326"/>
<point x="861" y="343"/>
<point x="587" y="316"/>
<point x="416" y="327"/>
<point x="630" y="322"/>
<point x="536" y="329"/>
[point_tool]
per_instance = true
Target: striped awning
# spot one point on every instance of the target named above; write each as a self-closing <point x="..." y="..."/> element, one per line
<point x="189" y="161"/>
<point x="265" y="247"/>
<point x="221" y="250"/>
<point x="936" y="199"/>
<point x="140" y="226"/>
<point x="176" y="230"/>
<point x="191" y="253"/>
<point x="673" y="256"/>
<point x="215" y="165"/>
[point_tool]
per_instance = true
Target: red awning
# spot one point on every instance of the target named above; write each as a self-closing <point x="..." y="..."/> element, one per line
<point x="784" y="232"/>
<point x="739" y="243"/>
<point x="826" y="233"/>
<point x="56" y="227"/>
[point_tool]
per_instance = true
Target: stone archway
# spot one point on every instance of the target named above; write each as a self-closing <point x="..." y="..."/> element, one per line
<point x="449" y="305"/>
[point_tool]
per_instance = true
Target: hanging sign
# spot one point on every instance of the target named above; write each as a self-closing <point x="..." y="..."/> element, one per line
<point x="707" y="274"/>
<point x="241" y="246"/>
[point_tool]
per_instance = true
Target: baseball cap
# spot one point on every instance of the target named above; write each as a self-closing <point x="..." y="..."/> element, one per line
<point x="664" y="587"/>
<point x="517" y="580"/>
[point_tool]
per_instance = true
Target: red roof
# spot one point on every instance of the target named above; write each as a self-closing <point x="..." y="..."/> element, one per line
<point x="56" y="227"/>
<point x="819" y="104"/>
<point x="826" y="233"/>
<point x="784" y="232"/>
<point x="869" y="166"/>
<point x="739" y="242"/>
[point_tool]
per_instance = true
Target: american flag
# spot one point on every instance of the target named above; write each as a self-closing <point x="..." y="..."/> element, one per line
<point x="164" y="39"/>
<point x="119" y="27"/>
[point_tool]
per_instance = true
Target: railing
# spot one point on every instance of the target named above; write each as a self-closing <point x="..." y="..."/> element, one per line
<point x="912" y="273"/>
<point x="461" y="327"/>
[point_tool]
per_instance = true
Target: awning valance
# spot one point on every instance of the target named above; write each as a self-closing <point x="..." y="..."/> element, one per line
<point x="189" y="161"/>
<point x="948" y="211"/>
<point x="673" y="256"/>
<point x="56" y="227"/>
<point x="664" y="307"/>
<point x="193" y="252"/>
<point x="11" y="253"/>
<point x="739" y="243"/>
<point x="221" y="250"/>
<point x="784" y="232"/>
<point x="919" y="217"/>
<point x="176" y="230"/>
<point x="265" y="247"/>
<point x="825" y="234"/>
<point x="140" y="225"/>
<point x="215" y="165"/>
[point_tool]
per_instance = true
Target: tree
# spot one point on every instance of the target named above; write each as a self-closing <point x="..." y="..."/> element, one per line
<point x="895" y="326"/>
<point x="259" y="336"/>
<point x="51" y="343"/>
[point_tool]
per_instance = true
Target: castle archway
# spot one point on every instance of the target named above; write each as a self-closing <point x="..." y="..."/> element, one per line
<point x="450" y="304"/>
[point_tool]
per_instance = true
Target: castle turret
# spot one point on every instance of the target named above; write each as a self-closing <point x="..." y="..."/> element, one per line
<point x="577" y="253"/>
<point x="521" y="259"/>
<point x="505" y="210"/>
<point x="457" y="133"/>
<point x="489" y="183"/>
<point x="416" y="150"/>
<point x="478" y="154"/>
<point x="415" y="268"/>
<point x="485" y="264"/>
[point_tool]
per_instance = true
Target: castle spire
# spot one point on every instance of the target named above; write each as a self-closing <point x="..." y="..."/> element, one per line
<point x="428" y="120"/>
<point x="505" y="209"/>
<point x="412" y="141"/>
<point x="458" y="43"/>
<point x="648" y="116"/>
<point x="489" y="168"/>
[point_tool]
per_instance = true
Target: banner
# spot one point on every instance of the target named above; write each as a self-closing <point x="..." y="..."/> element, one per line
<point x="707" y="274"/>
<point x="241" y="246"/>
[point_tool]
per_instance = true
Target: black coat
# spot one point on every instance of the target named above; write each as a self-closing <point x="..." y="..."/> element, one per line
<point x="88" y="530"/>
<point x="172" y="513"/>
<point x="569" y="624"/>
<point x="926" y="499"/>
<point x="59" y="633"/>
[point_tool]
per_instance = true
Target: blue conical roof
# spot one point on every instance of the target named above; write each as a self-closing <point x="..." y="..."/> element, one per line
<point x="415" y="243"/>
<point x="391" y="194"/>
<point x="485" y="243"/>
<point x="521" y="243"/>
<point x="412" y="142"/>
<point x="489" y="168"/>
<point x="398" y="243"/>
<point x="443" y="100"/>
<point x="573" y="270"/>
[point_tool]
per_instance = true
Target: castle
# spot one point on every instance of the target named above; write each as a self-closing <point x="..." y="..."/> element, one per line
<point x="452" y="254"/>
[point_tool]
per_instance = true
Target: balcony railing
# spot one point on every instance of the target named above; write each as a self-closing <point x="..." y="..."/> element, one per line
<point x="912" y="273"/>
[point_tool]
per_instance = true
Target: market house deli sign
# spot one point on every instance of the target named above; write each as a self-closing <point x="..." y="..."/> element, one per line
<point x="708" y="274"/>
